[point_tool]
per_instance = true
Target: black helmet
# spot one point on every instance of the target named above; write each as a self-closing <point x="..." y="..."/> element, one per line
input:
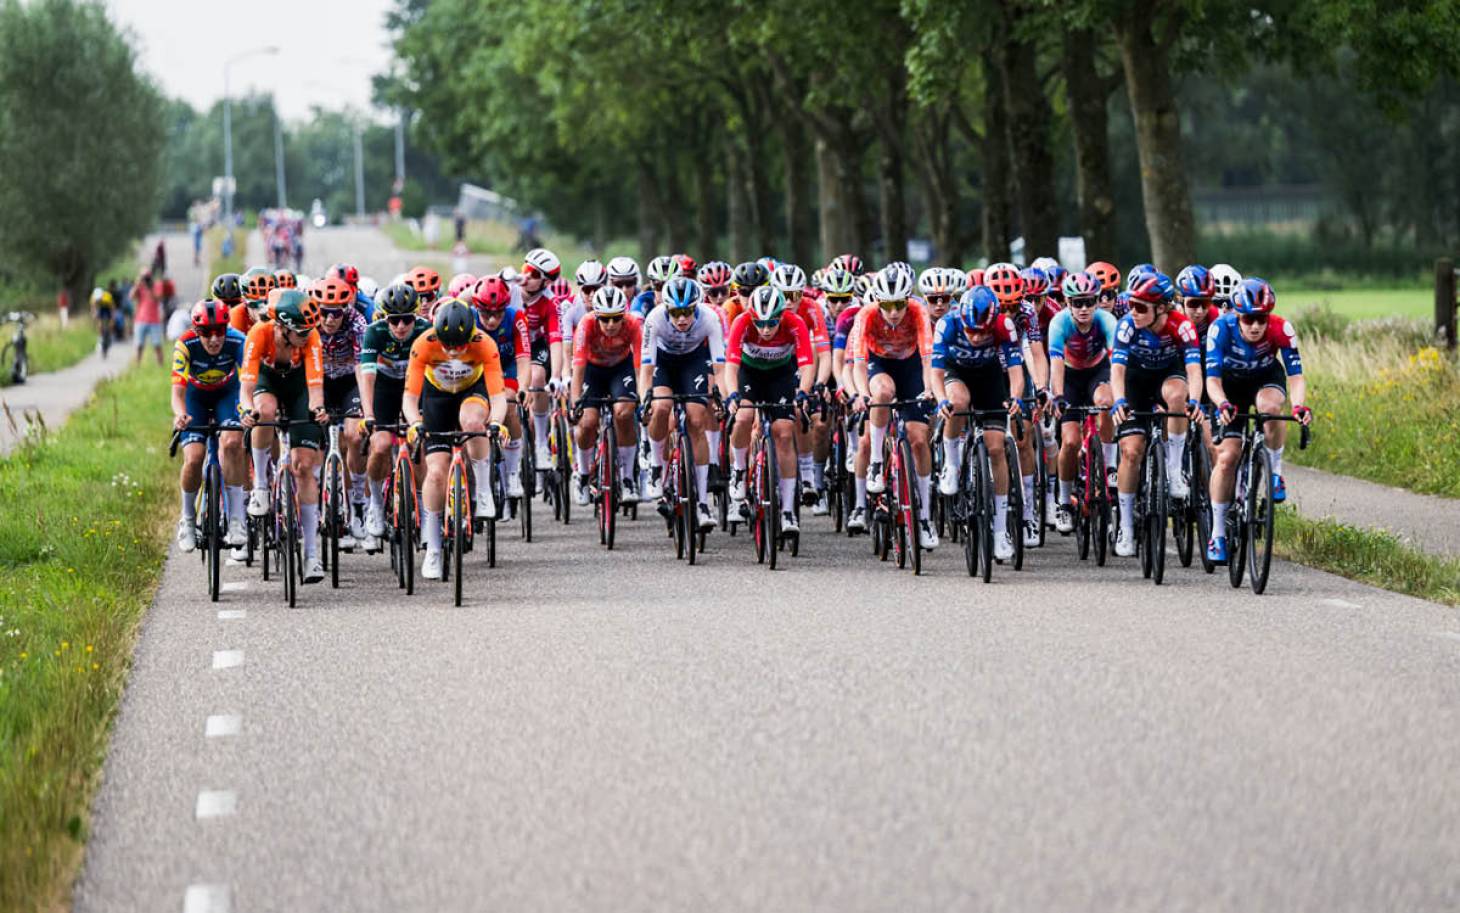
<point x="227" y="287"/>
<point x="398" y="299"/>
<point x="455" y="322"/>
<point x="749" y="275"/>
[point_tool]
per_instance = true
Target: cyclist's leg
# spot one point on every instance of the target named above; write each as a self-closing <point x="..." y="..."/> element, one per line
<point x="539" y="403"/>
<point x="439" y="412"/>
<point x="266" y="404"/>
<point x="1173" y="395"/>
<point x="624" y="385"/>
<point x="512" y="448"/>
<point x="1142" y="392"/>
<point x="472" y="416"/>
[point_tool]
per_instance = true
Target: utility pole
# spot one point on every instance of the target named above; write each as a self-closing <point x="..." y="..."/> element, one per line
<point x="359" y="175"/>
<point x="228" y="131"/>
<point x="279" y="157"/>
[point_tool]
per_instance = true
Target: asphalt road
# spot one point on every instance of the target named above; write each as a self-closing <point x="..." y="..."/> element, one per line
<point x="619" y="731"/>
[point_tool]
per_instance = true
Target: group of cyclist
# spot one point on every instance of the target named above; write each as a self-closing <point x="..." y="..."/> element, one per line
<point x="420" y="358"/>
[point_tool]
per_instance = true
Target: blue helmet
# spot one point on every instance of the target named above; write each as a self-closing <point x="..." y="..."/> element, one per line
<point x="681" y="292"/>
<point x="1195" y="282"/>
<point x="1036" y="281"/>
<point x="1254" y="296"/>
<point x="978" y="307"/>
<point x="1152" y="287"/>
<point x="1136" y="272"/>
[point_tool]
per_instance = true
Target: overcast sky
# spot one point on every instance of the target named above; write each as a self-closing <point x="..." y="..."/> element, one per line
<point x="328" y="49"/>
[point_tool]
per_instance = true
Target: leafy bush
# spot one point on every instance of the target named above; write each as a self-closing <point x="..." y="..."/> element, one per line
<point x="1304" y="259"/>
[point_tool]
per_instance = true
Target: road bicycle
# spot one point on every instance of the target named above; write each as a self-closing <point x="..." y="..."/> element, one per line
<point x="1153" y="508"/>
<point x="1040" y="506"/>
<point x="334" y="504"/>
<point x="763" y="490"/>
<point x="897" y="510"/>
<point x="521" y="508"/>
<point x="974" y="505"/>
<point x="558" y="475"/>
<point x="604" y="476"/>
<point x="279" y="529"/>
<point x="681" y="499"/>
<point x="840" y="490"/>
<point x="402" y="515"/>
<point x="460" y="514"/>
<point x="1091" y="503"/>
<point x="212" y="518"/>
<point x="1250" y="517"/>
<point x="15" y="354"/>
<point x="1191" y="516"/>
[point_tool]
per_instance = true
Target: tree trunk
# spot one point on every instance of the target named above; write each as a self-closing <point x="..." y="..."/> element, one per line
<point x="998" y="231"/>
<point x="757" y="190"/>
<point x="933" y="151"/>
<point x="1170" y="224"/>
<point x="891" y="202"/>
<point x="797" y="151"/>
<point x="706" y="237"/>
<point x="649" y="211"/>
<point x="1088" y="93"/>
<point x="675" y="208"/>
<point x="1029" y="142"/>
<point x="736" y="205"/>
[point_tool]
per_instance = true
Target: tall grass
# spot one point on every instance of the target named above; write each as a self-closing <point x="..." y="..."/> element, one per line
<point x="83" y="533"/>
<point x="1369" y="556"/>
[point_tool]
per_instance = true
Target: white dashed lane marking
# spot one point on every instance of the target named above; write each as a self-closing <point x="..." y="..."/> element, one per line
<point x="227" y="659"/>
<point x="233" y="586"/>
<point x="206" y="898"/>
<point x="1450" y="635"/>
<point x="223" y="724"/>
<point x="231" y="614"/>
<point x="216" y="803"/>
<point x="1342" y="604"/>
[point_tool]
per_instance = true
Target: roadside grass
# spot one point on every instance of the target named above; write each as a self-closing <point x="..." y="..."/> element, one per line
<point x="83" y="534"/>
<point x="1368" y="556"/>
<point x="1361" y="303"/>
<point x="52" y="348"/>
<point x="213" y="253"/>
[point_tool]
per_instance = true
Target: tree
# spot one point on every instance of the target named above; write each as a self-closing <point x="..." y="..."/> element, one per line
<point x="81" y="138"/>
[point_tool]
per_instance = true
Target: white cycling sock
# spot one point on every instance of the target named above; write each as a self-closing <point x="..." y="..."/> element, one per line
<point x="512" y="456"/>
<point x="482" y="471"/>
<point x="1174" y="445"/>
<point x="818" y="474"/>
<point x="1219" y="519"/>
<point x="925" y="484"/>
<point x="1276" y="458"/>
<point x="357" y="488"/>
<point x="1110" y="452"/>
<point x="1029" y="497"/>
<point x="879" y="434"/>
<point x="861" y="492"/>
<point x="804" y="463"/>
<point x="431" y="525"/>
<point x="702" y="481"/>
<point x="951" y="456"/>
<point x="739" y="457"/>
<point x="656" y="451"/>
<point x="1067" y="489"/>
<point x="1127" y="514"/>
<point x="540" y="425"/>
<point x="712" y="439"/>
<point x="1001" y="514"/>
<point x="236" y="501"/>
<point x="309" y="520"/>
<point x="189" y="505"/>
<point x="788" y="495"/>
<point x="377" y="492"/>
<point x="585" y="460"/>
<point x="626" y="462"/>
<point x="260" y="467"/>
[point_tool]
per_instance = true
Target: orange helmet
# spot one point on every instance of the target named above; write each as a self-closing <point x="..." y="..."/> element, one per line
<point x="424" y="280"/>
<point x="285" y="279"/>
<point x="257" y="283"/>
<point x="331" y="293"/>
<point x="1107" y="273"/>
<point x="1005" y="281"/>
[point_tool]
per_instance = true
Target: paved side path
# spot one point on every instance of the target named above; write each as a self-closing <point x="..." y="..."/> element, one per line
<point x="1426" y="522"/>
<point x="47" y="399"/>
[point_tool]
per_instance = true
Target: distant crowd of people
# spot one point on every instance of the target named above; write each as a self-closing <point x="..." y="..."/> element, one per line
<point x="143" y="308"/>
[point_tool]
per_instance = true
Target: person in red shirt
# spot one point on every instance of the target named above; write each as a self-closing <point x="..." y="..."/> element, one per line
<point x="606" y="349"/>
<point x="148" y="316"/>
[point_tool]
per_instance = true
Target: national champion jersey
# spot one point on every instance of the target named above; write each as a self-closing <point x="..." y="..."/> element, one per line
<point x="592" y="346"/>
<point x="661" y="335"/>
<point x="192" y="366"/>
<point x="955" y="347"/>
<point x="384" y="355"/>
<point x="342" y="350"/>
<point x="261" y="350"/>
<point x="789" y="346"/>
<point x="1082" y="349"/>
<point x="1229" y="354"/>
<point x="1174" y="343"/>
<point x="912" y="335"/>
<point x="542" y="318"/>
<point x="453" y="373"/>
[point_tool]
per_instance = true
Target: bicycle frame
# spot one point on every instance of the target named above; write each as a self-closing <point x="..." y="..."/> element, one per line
<point x="904" y="514"/>
<point x="680" y="503"/>
<point x="1250" y="518"/>
<point x="976" y="487"/>
<point x="212" y="517"/>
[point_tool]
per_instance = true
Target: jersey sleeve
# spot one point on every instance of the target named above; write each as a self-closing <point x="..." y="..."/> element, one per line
<point x="941" y="334"/>
<point x="1008" y="336"/>
<point x="925" y="332"/>
<point x="416" y="371"/>
<point x="737" y="339"/>
<point x="370" y="348"/>
<point x="314" y="360"/>
<point x="1107" y="322"/>
<point x="858" y="337"/>
<point x="485" y="350"/>
<point x="820" y="341"/>
<point x="717" y="335"/>
<point x="648" y="344"/>
<point x="1216" y="348"/>
<point x="521" y="336"/>
<point x="805" y="354"/>
<point x="181" y="362"/>
<point x="636" y="337"/>
<point x="1059" y="329"/>
<point x="550" y="318"/>
<point x="1125" y="331"/>
<point x="258" y="346"/>
<point x="1186" y="335"/>
<point x="1285" y="338"/>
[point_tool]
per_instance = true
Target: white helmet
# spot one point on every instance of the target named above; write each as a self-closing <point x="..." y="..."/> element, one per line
<point x="368" y="287"/>
<point x="904" y="267"/>
<point x="591" y="272"/>
<point x="935" y="280"/>
<point x="1044" y="263"/>
<point x="1225" y="280"/>
<point x="544" y="262"/>
<point x="767" y="303"/>
<point x="509" y="275"/>
<point x="662" y="269"/>
<point x="788" y="277"/>
<point x="610" y="300"/>
<point x="892" y="283"/>
<point x="621" y="268"/>
<point x="397" y="279"/>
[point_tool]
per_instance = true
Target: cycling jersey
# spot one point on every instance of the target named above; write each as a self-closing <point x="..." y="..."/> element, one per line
<point x="260" y="351"/>
<point x="810" y="312"/>
<point x="1026" y="321"/>
<point x="571" y="311"/>
<point x="1082" y="349"/>
<point x="875" y="336"/>
<point x="342" y="350"/>
<point x="592" y="346"/>
<point x="661" y="335"/>
<point x="844" y="322"/>
<point x="1229" y="354"/>
<point x="384" y="355"/>
<point x="1153" y="350"/>
<point x="542" y="319"/>
<point x="789" y="344"/>
<point x="192" y="366"/>
<point x="512" y="338"/>
<point x="240" y="319"/>
<point x="477" y="360"/>
<point x="1050" y="307"/>
<point x="364" y="306"/>
<point x="953" y="347"/>
<point x="643" y="303"/>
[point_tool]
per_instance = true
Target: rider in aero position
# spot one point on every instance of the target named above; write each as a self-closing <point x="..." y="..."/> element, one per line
<point x="606" y="348"/>
<point x="454" y="378"/>
<point x="684" y="341"/>
<point x="892" y="359"/>
<point x="539" y="268"/>
<point x="1017" y="293"/>
<point x="283" y="377"/>
<point x="790" y="280"/>
<point x="770" y="360"/>
<point x="977" y="364"/>
<point x="1252" y="357"/>
<point x="385" y="355"/>
<point x="341" y="332"/>
<point x="508" y="328"/>
<point x="1080" y="340"/>
<point x="1155" y="362"/>
<point x="205" y="362"/>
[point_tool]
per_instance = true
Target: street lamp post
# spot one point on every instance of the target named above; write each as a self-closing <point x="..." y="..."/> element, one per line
<point x="228" y="130"/>
<point x="279" y="156"/>
<point x="359" y="175"/>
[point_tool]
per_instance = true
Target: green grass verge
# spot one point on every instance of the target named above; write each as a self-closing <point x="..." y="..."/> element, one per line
<point x="213" y="252"/>
<point x="83" y="534"/>
<point x="52" y="348"/>
<point x="1362" y="303"/>
<point x="1368" y="556"/>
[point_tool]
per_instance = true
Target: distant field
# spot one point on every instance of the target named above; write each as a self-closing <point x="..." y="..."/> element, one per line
<point x="1361" y="304"/>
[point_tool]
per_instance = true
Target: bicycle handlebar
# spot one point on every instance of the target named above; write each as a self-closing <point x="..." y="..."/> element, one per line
<point x="1260" y="417"/>
<point x="207" y="430"/>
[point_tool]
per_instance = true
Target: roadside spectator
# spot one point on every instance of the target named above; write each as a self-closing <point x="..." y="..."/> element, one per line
<point x="195" y="228"/>
<point x="159" y="259"/>
<point x="148" y="322"/>
<point x="63" y="306"/>
<point x="166" y="292"/>
<point x="121" y="307"/>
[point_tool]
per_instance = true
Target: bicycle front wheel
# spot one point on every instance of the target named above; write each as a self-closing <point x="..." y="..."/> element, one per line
<point x="1158" y="513"/>
<point x="289" y="541"/>
<point x="1259" y="520"/>
<point x="213" y="529"/>
<point x="460" y="517"/>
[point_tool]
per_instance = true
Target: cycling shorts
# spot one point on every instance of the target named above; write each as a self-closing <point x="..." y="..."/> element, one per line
<point x="777" y="385"/>
<point x="292" y="393"/>
<point x="610" y="381"/>
<point x="1080" y="384"/>
<point x="988" y="387"/>
<point x="684" y="375"/>
<point x="209" y="407"/>
<point x="907" y="377"/>
<point x="388" y="395"/>
<point x="342" y="394"/>
<point x="1242" y="390"/>
<point x="441" y="411"/>
<point x="1143" y="393"/>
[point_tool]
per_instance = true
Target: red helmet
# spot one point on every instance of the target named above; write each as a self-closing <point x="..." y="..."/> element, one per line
<point x="714" y="274"/>
<point x="849" y="262"/>
<point x="686" y="264"/>
<point x="1005" y="281"/>
<point x="210" y="312"/>
<point x="332" y="292"/>
<point x="975" y="278"/>
<point x="346" y="272"/>
<point x="1107" y="273"/>
<point x="424" y="280"/>
<point x="560" y="288"/>
<point x="492" y="294"/>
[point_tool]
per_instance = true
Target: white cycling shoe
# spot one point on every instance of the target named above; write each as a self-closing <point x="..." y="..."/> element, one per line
<point x="928" y="535"/>
<point x="258" y="502"/>
<point x="486" y="504"/>
<point x="431" y="567"/>
<point x="876" y="484"/>
<point x="187" y="535"/>
<point x="514" y="485"/>
<point x="737" y="484"/>
<point x="313" y="570"/>
<point x="580" y="489"/>
<point x="1125" y="543"/>
<point x="707" y="518"/>
<point x="788" y="522"/>
<point x="1176" y="485"/>
<point x="1031" y="533"/>
<point x="543" y="455"/>
<point x="237" y="534"/>
<point x="948" y="480"/>
<point x="1064" y="519"/>
<point x="375" y="520"/>
<point x="819" y="509"/>
<point x="857" y="520"/>
<point x="654" y="487"/>
<point x="1003" y="546"/>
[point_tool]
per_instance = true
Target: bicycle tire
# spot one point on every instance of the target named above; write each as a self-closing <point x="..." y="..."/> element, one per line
<point x="773" y="500"/>
<point x="1237" y="525"/>
<point x="1015" y="516"/>
<point x="21" y="372"/>
<point x="408" y="519"/>
<point x="759" y="529"/>
<point x="1083" y="509"/>
<point x="1041" y="482"/>
<point x="1100" y="517"/>
<point x="1201" y="503"/>
<point x="527" y="472"/>
<point x="914" y="508"/>
<point x="1143" y="508"/>
<point x="1159" y="517"/>
<point x="289" y="566"/>
<point x="1183" y="517"/>
<point x="333" y="520"/>
<point x="609" y="475"/>
<point x="499" y="501"/>
<point x="1260" y="521"/>
<point x="984" y="469"/>
<point x="968" y="511"/>
<point x="212" y="530"/>
<point x="459" y="521"/>
<point x="896" y="487"/>
<point x="691" y="501"/>
<point x="267" y="532"/>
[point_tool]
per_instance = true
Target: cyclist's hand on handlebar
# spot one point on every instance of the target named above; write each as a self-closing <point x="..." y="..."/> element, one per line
<point x="732" y="402"/>
<point x="498" y="431"/>
<point x="553" y="386"/>
<point x="367" y="426"/>
<point x="415" y="432"/>
<point x="181" y="422"/>
<point x="321" y="415"/>
<point x="250" y="417"/>
<point x="1121" y="411"/>
<point x="1303" y="414"/>
<point x="1041" y="396"/>
<point x="1060" y="405"/>
<point x="520" y="396"/>
<point x="945" y="406"/>
<point x="1014" y="406"/>
<point x="1227" y="411"/>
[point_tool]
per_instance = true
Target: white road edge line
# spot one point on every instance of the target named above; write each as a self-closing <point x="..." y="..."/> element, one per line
<point x="227" y="659"/>
<point x="223" y="724"/>
<point x="206" y="898"/>
<point x="233" y="586"/>
<point x="231" y="614"/>
<point x="1342" y="604"/>
<point x="216" y="803"/>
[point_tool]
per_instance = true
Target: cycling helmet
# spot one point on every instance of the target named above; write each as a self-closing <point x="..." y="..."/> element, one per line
<point x="509" y="275"/>
<point x="257" y="283"/>
<point x="686" y="264"/>
<point x="1056" y="274"/>
<point x="978" y="307"/>
<point x="331" y="293"/>
<point x="1080" y="285"/>
<point x="1005" y="281"/>
<point x="715" y="273"/>
<point x="839" y="282"/>
<point x="769" y="264"/>
<point x="455" y="322"/>
<point x="975" y="278"/>
<point x="210" y="312"/>
<point x="609" y="301"/>
<point x="622" y="268"/>
<point x="905" y="268"/>
<point x="1137" y="271"/>
<point x="228" y="287"/>
<point x="935" y="281"/>
<point x="749" y="275"/>
<point x="1106" y="273"/>
<point x="459" y="283"/>
<point x="1036" y="282"/>
<point x="1225" y="281"/>
<point x="397" y="299"/>
<point x="849" y="262"/>
<point x="892" y="284"/>
<point x="542" y="262"/>
<point x="767" y="303"/>
<point x="367" y="287"/>
<point x="293" y="310"/>
<point x="1152" y="287"/>
<point x="425" y="280"/>
<point x="662" y="269"/>
<point x="817" y="278"/>
<point x="491" y="293"/>
<point x="1044" y="263"/>
<point x="1254" y="296"/>
<point x="590" y="274"/>
<point x="560" y="288"/>
<point x="789" y="277"/>
<point x="285" y="279"/>
<point x="346" y="272"/>
<point x="681" y="292"/>
<point x="1195" y="282"/>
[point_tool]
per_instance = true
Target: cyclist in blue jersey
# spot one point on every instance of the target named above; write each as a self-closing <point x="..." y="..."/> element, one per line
<point x="507" y="326"/>
<point x="1081" y="338"/>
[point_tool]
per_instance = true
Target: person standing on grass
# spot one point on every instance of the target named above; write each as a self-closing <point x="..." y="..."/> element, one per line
<point x="195" y="228"/>
<point x="148" y="320"/>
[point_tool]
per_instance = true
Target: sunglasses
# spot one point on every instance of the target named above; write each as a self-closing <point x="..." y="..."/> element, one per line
<point x="296" y="335"/>
<point x="677" y="313"/>
<point x="839" y="299"/>
<point x="1107" y="295"/>
<point x="939" y="299"/>
<point x="717" y="291"/>
<point x="767" y="324"/>
<point x="212" y="332"/>
<point x="492" y="313"/>
<point x="608" y="321"/>
<point x="1081" y="304"/>
<point x="1253" y="320"/>
<point x="744" y="292"/>
<point x="626" y="285"/>
<point x="327" y="313"/>
<point x="891" y="306"/>
<point x="401" y="320"/>
<point x="1138" y="308"/>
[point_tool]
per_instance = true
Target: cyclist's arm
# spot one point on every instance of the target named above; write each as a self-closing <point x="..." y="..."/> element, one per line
<point x="1016" y="381"/>
<point x="1038" y="364"/>
<point x="718" y="370"/>
<point x="367" y="394"/>
<point x="179" y="400"/>
<point x="1215" y="391"/>
<point x="859" y="377"/>
<point x="939" y="385"/>
<point x="524" y="368"/>
<point x="1297" y="390"/>
<point x="808" y="377"/>
<point x="578" y="368"/>
<point x="1057" y="376"/>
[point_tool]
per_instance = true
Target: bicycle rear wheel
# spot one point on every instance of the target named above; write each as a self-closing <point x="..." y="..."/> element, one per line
<point x="213" y="528"/>
<point x="773" y="505"/>
<point x="691" y="500"/>
<point x="289" y="541"/>
<point x="1015" y="521"/>
<point x="608" y="479"/>
<point x="1237" y="527"/>
<point x="1259" y="521"/>
<point x="1099" y="506"/>
<point x="334" y="518"/>
<point x="528" y="474"/>
<point x="984" y="478"/>
<point x="1201" y="502"/>
<point x="1158" y="516"/>
<point x="460" y="517"/>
